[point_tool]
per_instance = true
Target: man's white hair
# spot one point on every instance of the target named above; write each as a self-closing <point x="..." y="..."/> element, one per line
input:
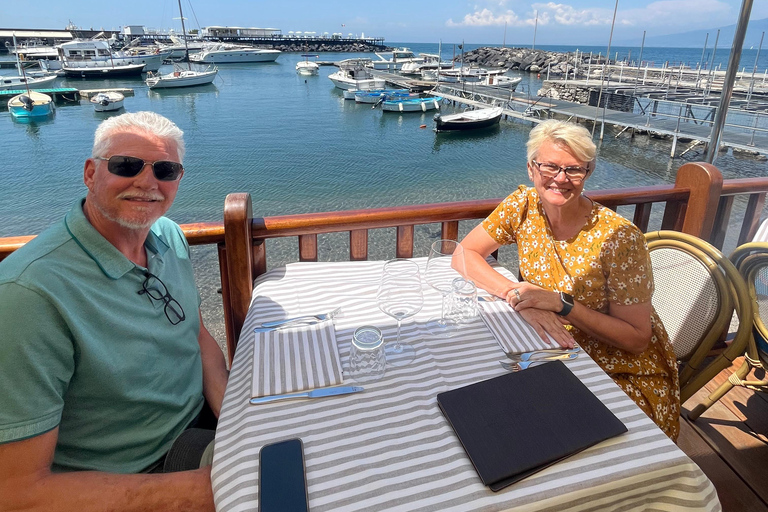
<point x="137" y="122"/>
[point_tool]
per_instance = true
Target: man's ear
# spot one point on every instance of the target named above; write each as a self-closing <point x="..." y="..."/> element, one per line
<point x="89" y="169"/>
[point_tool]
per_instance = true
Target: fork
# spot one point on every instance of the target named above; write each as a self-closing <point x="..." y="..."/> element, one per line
<point x="524" y="365"/>
<point x="303" y="319"/>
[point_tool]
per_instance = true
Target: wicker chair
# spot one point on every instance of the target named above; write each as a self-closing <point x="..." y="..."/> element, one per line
<point x="752" y="262"/>
<point x="697" y="290"/>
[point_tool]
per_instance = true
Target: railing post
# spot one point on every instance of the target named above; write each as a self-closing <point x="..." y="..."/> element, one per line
<point x="705" y="182"/>
<point x="238" y="220"/>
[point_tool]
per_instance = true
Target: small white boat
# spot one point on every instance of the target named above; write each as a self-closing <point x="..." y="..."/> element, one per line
<point x="31" y="105"/>
<point x="107" y="101"/>
<point x="382" y="94"/>
<point x="306" y="66"/>
<point x="412" y="104"/>
<point x="502" y="81"/>
<point x="354" y="74"/>
<point x="468" y="120"/>
<point x="425" y="61"/>
<point x="219" y="53"/>
<point x="181" y="78"/>
<point x="12" y="83"/>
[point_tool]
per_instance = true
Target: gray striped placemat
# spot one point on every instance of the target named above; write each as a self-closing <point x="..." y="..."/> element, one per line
<point x="295" y="359"/>
<point x="512" y="333"/>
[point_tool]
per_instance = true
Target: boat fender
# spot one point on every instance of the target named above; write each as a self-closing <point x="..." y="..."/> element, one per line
<point x="423" y="126"/>
<point x="400" y="105"/>
<point x="423" y="107"/>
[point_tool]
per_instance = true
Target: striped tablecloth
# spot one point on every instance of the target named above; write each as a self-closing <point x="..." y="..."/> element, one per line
<point x="390" y="448"/>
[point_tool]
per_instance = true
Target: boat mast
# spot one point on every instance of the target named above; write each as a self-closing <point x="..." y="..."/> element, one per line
<point x="16" y="51"/>
<point x="184" y="35"/>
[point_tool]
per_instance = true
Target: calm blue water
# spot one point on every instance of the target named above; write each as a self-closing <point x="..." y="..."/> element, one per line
<point x="297" y="146"/>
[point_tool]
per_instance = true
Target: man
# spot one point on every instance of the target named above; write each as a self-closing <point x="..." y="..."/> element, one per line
<point x="104" y="360"/>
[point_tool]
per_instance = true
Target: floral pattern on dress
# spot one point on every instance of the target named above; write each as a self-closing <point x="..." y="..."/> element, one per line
<point x="607" y="262"/>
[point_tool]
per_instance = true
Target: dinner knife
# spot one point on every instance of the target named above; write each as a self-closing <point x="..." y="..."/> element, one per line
<point x="314" y="393"/>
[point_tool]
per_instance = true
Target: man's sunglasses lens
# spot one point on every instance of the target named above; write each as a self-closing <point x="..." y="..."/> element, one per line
<point x="130" y="166"/>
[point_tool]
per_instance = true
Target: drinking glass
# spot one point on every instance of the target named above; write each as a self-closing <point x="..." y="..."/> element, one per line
<point x="463" y="301"/>
<point x="445" y="263"/>
<point x="400" y="297"/>
<point x="367" y="360"/>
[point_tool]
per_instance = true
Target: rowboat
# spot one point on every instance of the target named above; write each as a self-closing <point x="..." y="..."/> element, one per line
<point x="469" y="120"/>
<point x="107" y="101"/>
<point x="411" y="104"/>
<point x="31" y="105"/>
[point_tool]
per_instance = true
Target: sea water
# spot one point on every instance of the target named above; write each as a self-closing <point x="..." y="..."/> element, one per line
<point x="297" y="146"/>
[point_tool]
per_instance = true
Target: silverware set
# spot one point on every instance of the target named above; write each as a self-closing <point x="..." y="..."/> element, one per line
<point x="299" y="320"/>
<point x="527" y="359"/>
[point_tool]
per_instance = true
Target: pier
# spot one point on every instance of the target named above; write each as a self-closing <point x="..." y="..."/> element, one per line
<point x="65" y="94"/>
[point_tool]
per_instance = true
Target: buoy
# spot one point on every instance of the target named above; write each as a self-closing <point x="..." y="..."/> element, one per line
<point x="423" y="126"/>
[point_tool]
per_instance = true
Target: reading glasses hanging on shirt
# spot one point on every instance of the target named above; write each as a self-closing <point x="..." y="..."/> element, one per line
<point x="155" y="289"/>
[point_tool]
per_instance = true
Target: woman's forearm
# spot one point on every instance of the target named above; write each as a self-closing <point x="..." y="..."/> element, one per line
<point x="484" y="276"/>
<point x="631" y="333"/>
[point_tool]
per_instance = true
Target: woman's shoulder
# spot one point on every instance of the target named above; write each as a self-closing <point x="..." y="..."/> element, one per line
<point x="522" y="196"/>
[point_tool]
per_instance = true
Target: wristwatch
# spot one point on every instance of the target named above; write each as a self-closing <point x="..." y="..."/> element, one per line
<point x="567" y="301"/>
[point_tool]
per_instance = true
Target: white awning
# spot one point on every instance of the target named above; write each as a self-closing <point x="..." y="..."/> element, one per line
<point x="58" y="34"/>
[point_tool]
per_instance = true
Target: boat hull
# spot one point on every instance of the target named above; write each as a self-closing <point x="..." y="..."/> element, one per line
<point x="183" y="79"/>
<point x="103" y="71"/>
<point x="231" y="56"/>
<point x="346" y="83"/>
<point x="14" y="83"/>
<point x="42" y="106"/>
<point x="307" y="68"/>
<point x="412" y="105"/>
<point x="107" y="101"/>
<point x="474" y="120"/>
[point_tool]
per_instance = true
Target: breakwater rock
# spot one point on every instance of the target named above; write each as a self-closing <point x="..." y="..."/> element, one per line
<point x="533" y="61"/>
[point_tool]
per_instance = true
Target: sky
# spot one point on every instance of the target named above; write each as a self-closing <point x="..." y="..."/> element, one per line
<point x="582" y="22"/>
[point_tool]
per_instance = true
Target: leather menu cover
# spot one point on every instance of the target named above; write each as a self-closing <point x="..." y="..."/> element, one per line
<point x="519" y="423"/>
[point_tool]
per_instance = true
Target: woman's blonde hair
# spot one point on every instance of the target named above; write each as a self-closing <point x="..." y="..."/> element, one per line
<point x="573" y="136"/>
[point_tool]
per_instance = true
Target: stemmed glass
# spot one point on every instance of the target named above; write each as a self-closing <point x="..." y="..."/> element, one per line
<point x="445" y="263"/>
<point x="400" y="297"/>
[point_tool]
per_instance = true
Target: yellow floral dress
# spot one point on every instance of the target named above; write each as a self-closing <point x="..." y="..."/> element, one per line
<point x="606" y="262"/>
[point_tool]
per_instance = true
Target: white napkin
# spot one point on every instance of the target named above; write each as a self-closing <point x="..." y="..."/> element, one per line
<point x="295" y="359"/>
<point x="513" y="334"/>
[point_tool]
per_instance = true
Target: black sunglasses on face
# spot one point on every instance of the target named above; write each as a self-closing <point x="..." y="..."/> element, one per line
<point x="130" y="166"/>
<point x="156" y="290"/>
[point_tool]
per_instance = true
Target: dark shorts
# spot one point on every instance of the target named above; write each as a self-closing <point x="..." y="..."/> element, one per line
<point x="193" y="448"/>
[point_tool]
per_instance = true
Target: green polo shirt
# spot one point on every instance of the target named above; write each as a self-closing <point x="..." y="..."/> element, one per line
<point x="81" y="349"/>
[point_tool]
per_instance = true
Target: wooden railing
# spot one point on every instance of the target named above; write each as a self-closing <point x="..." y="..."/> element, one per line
<point x="692" y="205"/>
<point x="755" y="189"/>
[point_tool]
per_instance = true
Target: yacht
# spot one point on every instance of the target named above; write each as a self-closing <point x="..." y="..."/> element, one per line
<point x="219" y="53"/>
<point x="98" y="53"/>
<point x="425" y="61"/>
<point x="356" y="74"/>
<point x="400" y="56"/>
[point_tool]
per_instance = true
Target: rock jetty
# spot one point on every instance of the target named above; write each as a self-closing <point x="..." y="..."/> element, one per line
<point x="525" y="59"/>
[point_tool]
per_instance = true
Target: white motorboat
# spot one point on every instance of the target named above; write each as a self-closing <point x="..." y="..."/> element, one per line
<point x="107" y="101"/>
<point x="219" y="53"/>
<point x="400" y="56"/>
<point x="12" y="83"/>
<point x="97" y="52"/>
<point x="31" y="105"/>
<point x="354" y="74"/>
<point x="181" y="77"/>
<point x="425" y="61"/>
<point x="500" y="80"/>
<point x="306" y="66"/>
<point x="180" y="48"/>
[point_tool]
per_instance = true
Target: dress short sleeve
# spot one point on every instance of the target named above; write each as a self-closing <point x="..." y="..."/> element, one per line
<point x="627" y="266"/>
<point x="503" y="223"/>
<point x="36" y="364"/>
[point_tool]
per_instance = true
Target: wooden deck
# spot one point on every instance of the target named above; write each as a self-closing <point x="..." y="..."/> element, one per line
<point x="730" y="444"/>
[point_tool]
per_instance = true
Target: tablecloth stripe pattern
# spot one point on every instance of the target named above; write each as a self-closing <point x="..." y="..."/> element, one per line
<point x="512" y="333"/>
<point x="295" y="359"/>
<point x="390" y="447"/>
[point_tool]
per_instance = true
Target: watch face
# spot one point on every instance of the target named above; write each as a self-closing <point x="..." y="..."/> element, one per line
<point x="567" y="298"/>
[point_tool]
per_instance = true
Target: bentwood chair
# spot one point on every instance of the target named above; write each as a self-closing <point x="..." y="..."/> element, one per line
<point x="752" y="262"/>
<point x="696" y="291"/>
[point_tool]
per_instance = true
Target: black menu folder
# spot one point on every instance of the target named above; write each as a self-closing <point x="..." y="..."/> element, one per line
<point x="517" y="424"/>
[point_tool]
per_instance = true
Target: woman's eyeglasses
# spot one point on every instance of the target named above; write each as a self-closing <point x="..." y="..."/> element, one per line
<point x="130" y="166"/>
<point x="574" y="173"/>
<point x="156" y="290"/>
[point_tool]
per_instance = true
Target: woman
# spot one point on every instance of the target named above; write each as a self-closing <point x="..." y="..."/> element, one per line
<point x="586" y="270"/>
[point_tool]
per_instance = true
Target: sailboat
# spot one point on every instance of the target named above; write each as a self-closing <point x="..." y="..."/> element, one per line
<point x="31" y="105"/>
<point x="181" y="77"/>
<point x="12" y="83"/>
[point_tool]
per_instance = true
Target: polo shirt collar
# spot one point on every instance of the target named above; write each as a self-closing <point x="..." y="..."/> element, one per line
<point x="112" y="262"/>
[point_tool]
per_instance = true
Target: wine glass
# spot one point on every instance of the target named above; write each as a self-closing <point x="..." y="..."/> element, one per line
<point x="445" y="263"/>
<point x="400" y="297"/>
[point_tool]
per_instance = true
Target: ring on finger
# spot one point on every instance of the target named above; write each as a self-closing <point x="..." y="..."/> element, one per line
<point x="517" y="293"/>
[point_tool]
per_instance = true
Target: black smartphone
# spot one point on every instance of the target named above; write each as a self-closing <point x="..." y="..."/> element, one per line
<point x="282" y="477"/>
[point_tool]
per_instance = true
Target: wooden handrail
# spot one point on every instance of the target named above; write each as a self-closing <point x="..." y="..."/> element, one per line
<point x="756" y="189"/>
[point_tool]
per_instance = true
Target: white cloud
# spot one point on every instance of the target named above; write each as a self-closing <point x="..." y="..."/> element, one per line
<point x="670" y="12"/>
<point x="485" y="18"/>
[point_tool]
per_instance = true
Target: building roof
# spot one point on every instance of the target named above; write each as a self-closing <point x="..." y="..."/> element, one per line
<point x="61" y="34"/>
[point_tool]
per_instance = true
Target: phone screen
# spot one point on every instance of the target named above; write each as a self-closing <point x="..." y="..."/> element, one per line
<point x="282" y="480"/>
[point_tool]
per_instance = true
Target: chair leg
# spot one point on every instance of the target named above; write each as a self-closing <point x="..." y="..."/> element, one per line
<point x="719" y="393"/>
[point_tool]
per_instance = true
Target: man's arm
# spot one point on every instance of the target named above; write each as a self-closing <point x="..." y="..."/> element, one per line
<point x="27" y="484"/>
<point x="215" y="372"/>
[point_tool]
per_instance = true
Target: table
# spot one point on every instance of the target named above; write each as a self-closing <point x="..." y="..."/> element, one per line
<point x="390" y="448"/>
